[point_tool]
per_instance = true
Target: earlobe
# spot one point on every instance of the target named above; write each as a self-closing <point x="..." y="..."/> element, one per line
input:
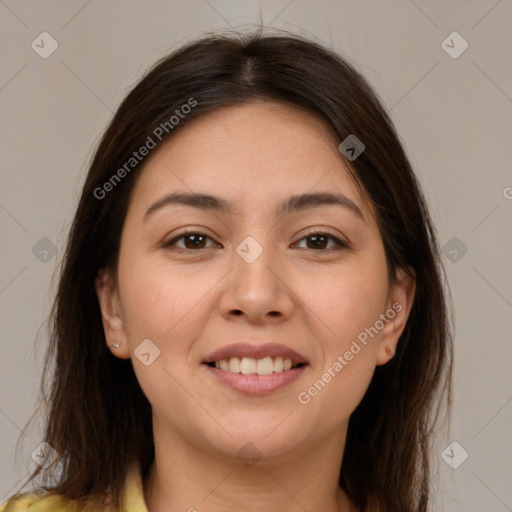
<point x="401" y="299"/>
<point x="390" y="351"/>
<point x="113" y="325"/>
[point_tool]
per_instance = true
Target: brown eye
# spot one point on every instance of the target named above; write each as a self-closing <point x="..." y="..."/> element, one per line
<point x="191" y="240"/>
<point x="319" y="241"/>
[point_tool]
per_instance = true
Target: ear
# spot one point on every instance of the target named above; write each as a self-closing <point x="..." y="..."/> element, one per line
<point x="400" y="301"/>
<point x="111" y="314"/>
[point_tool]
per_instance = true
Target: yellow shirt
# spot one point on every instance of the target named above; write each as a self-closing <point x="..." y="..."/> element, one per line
<point x="133" y="495"/>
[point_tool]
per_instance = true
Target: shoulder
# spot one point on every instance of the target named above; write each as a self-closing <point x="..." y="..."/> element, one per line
<point x="37" y="503"/>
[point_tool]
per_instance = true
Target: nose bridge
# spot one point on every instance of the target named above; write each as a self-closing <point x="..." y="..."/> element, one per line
<point x="255" y="287"/>
<point x="253" y="260"/>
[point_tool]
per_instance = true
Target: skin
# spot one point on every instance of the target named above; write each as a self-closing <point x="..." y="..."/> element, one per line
<point x="190" y="302"/>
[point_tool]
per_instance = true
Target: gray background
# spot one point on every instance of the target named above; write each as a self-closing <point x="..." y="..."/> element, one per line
<point x="453" y="114"/>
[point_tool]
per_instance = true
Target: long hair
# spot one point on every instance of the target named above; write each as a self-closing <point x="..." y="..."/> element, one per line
<point x="98" y="418"/>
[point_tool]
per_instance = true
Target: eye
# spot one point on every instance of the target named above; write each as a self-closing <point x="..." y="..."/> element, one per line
<point x="319" y="241"/>
<point x="196" y="240"/>
<point x="192" y="240"/>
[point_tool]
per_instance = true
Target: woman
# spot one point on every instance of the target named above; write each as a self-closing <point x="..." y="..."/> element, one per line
<point x="251" y="309"/>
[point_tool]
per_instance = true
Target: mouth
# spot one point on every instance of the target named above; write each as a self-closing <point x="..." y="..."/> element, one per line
<point x="252" y="366"/>
<point x="255" y="369"/>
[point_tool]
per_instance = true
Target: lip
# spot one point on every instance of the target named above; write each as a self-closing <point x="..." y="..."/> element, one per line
<point x="256" y="352"/>
<point x="256" y="384"/>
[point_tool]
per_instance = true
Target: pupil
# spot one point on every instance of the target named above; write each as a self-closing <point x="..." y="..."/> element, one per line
<point x="197" y="238"/>
<point x="316" y="237"/>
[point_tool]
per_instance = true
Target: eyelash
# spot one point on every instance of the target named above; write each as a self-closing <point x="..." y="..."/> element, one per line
<point x="339" y="244"/>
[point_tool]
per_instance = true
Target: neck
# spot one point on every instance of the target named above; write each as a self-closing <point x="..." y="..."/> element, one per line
<point x="188" y="478"/>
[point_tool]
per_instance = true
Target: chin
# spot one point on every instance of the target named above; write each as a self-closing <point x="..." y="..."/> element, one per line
<point x="265" y="436"/>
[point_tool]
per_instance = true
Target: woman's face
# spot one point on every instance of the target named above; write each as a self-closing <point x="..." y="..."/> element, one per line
<point x="254" y="282"/>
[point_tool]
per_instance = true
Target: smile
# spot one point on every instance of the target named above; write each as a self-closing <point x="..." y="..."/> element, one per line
<point x="251" y="366"/>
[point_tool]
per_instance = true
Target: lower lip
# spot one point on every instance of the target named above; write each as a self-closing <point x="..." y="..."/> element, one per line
<point x="256" y="384"/>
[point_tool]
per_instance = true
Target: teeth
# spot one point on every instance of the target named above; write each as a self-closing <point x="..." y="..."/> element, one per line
<point x="265" y="366"/>
<point x="250" y="366"/>
<point x="234" y="365"/>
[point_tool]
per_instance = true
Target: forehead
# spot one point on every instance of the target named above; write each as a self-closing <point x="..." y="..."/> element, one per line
<point x="252" y="154"/>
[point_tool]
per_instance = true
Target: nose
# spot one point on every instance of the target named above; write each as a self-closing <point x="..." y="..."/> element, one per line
<point x="258" y="288"/>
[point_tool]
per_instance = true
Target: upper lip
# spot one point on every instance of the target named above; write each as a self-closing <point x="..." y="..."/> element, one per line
<point x="256" y="352"/>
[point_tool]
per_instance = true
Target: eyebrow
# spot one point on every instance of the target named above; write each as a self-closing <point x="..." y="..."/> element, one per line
<point x="293" y="204"/>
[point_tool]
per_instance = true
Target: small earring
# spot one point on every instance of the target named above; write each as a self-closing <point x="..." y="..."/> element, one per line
<point x="390" y="352"/>
<point x="115" y="345"/>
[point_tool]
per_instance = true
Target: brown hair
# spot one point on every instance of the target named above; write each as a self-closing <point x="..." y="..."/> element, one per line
<point x="99" y="420"/>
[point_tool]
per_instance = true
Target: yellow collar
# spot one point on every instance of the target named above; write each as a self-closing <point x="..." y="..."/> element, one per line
<point x="133" y="492"/>
<point x="133" y="497"/>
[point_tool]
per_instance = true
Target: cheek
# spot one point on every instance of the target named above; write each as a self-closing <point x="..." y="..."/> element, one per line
<point x="169" y="307"/>
<point x="157" y="297"/>
<point x="347" y="306"/>
<point x="349" y="300"/>
<point x="339" y="383"/>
